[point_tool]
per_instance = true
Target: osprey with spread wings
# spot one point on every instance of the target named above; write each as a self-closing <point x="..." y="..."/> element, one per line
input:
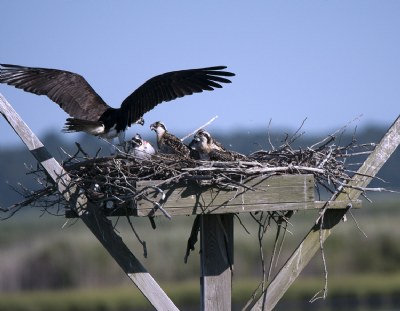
<point x="89" y="113"/>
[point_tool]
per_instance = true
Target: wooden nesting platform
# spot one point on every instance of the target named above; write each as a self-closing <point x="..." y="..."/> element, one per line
<point x="261" y="193"/>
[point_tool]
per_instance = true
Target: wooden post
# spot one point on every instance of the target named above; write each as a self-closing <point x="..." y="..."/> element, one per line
<point x="216" y="255"/>
<point x="35" y="146"/>
<point x="90" y="214"/>
<point x="311" y="243"/>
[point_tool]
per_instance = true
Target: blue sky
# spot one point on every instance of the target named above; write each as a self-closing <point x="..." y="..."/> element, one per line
<point x="328" y="61"/>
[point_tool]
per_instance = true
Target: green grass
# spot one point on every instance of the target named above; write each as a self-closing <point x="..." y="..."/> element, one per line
<point x="359" y="285"/>
<point x="28" y="242"/>
<point x="187" y="294"/>
<point x="121" y="298"/>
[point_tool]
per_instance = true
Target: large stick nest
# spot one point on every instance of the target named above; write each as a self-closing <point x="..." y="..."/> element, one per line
<point x="113" y="179"/>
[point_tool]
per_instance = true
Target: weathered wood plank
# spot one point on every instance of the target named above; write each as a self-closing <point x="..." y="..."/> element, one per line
<point x="338" y="204"/>
<point x="216" y="257"/>
<point x="35" y="146"/>
<point x="374" y="162"/>
<point x="311" y="243"/>
<point x="104" y="231"/>
<point x="91" y="215"/>
<point x="131" y="211"/>
<point x="286" y="191"/>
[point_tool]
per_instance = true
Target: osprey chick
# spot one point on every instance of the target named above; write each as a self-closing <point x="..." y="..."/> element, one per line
<point x="209" y="149"/>
<point x="140" y="148"/>
<point x="168" y="143"/>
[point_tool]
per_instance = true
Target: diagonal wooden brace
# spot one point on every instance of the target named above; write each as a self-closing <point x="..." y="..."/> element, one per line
<point x="311" y="243"/>
<point x="91" y="215"/>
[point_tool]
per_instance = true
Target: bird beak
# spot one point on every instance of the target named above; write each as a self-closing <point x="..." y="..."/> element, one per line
<point x="193" y="143"/>
<point x="153" y="127"/>
<point x="136" y="142"/>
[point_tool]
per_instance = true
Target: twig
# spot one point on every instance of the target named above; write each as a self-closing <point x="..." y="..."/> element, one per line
<point x="241" y="223"/>
<point x="203" y="126"/>
<point x="321" y="245"/>
<point x="269" y="136"/>
<point x="142" y="242"/>
<point x="356" y="222"/>
<point x="192" y="238"/>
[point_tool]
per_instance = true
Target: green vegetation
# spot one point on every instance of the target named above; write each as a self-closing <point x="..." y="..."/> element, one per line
<point x="37" y="256"/>
<point x="121" y="298"/>
<point x="356" y="287"/>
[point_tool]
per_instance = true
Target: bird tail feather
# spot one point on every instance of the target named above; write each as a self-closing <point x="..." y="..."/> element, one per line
<point x="79" y="125"/>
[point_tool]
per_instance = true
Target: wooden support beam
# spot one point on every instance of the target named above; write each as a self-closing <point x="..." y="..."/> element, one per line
<point x="35" y="146"/>
<point x="91" y="215"/>
<point x="104" y="231"/>
<point x="216" y="255"/>
<point x="311" y="243"/>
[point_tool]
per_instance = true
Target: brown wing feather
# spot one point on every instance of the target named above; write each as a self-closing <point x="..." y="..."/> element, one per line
<point x="69" y="90"/>
<point x="169" y="86"/>
<point x="176" y="145"/>
<point x="218" y="155"/>
<point x="225" y="155"/>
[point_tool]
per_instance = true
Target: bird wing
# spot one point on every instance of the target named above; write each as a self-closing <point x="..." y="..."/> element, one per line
<point x="175" y="144"/>
<point x="219" y="145"/>
<point x="169" y="86"/>
<point x="69" y="90"/>
<point x="226" y="155"/>
<point x="219" y="155"/>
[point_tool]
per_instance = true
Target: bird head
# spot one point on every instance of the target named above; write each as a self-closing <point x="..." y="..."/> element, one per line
<point x="137" y="140"/>
<point x="200" y="142"/>
<point x="195" y="143"/>
<point x="158" y="127"/>
<point x="204" y="136"/>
